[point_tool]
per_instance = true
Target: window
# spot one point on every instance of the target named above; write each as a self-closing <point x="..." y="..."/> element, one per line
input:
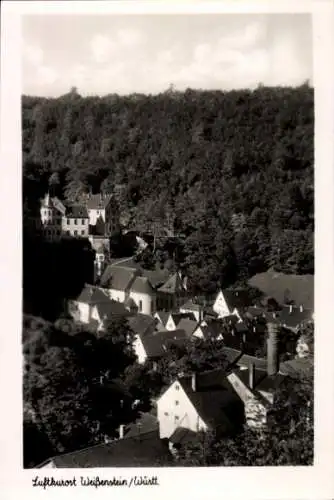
<point x="82" y="232"/>
<point x="176" y="403"/>
<point x="166" y="413"/>
<point x="68" y="222"/>
<point x="177" y="387"/>
<point x="75" y="233"/>
<point x="82" y="221"/>
<point x="140" y="305"/>
<point x="98" y="212"/>
<point x="75" y="221"/>
<point x="176" y="417"/>
<point x="68" y="233"/>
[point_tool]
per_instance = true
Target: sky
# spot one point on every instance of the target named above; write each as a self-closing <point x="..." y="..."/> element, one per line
<point x="104" y="54"/>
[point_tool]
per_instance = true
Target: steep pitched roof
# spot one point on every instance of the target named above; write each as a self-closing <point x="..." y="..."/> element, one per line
<point x="296" y="367"/>
<point x="98" y="201"/>
<point x="142" y="285"/>
<point x="188" y="326"/>
<point x="300" y="289"/>
<point x="76" y="212"/>
<point x="182" y="436"/>
<point x="213" y="398"/>
<point x="262" y="381"/>
<point x="110" y="309"/>
<point x="174" y="284"/>
<point x="156" y="344"/>
<point x="163" y="315"/>
<point x="190" y="305"/>
<point x="145" y="450"/>
<point x="140" y="324"/>
<point x="293" y="316"/>
<point x="237" y="299"/>
<point x="92" y="295"/>
<point x="118" y="277"/>
<point x="145" y="423"/>
<point x="212" y="330"/>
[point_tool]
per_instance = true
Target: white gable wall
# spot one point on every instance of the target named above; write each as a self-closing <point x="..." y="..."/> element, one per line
<point x="172" y="415"/>
<point x="147" y="302"/>
<point x="195" y="313"/>
<point x="220" y="306"/>
<point x="139" y="350"/>
<point x="170" y="325"/>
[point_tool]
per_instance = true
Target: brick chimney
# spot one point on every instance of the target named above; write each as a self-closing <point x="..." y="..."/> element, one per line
<point x="251" y="372"/>
<point x="272" y="349"/>
<point x="121" y="431"/>
<point x="194" y="382"/>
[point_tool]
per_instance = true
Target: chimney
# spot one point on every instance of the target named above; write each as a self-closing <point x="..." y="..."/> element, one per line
<point x="290" y="308"/>
<point x="251" y="371"/>
<point x="301" y="308"/>
<point x="194" y="382"/>
<point x="121" y="431"/>
<point x="272" y="349"/>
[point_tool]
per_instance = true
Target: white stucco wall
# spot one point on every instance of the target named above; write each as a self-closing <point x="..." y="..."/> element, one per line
<point x="95" y="214"/>
<point x="172" y="415"/>
<point x="170" y="325"/>
<point x="220" y="306"/>
<point x="84" y="311"/>
<point x="139" y="350"/>
<point x="118" y="295"/>
<point x="148" y="302"/>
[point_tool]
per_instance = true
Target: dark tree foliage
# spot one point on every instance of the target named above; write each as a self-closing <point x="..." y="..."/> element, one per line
<point x="53" y="272"/>
<point x="288" y="439"/>
<point x="76" y="385"/>
<point x="231" y="171"/>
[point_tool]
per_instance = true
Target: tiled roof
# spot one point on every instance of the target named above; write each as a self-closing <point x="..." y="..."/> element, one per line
<point x="262" y="382"/>
<point x="182" y="436"/>
<point x="293" y="317"/>
<point x="212" y="330"/>
<point x="173" y="285"/>
<point x="156" y="344"/>
<point x="188" y="326"/>
<point x="76" y="212"/>
<point x="118" y="278"/>
<point x="300" y="289"/>
<point x="191" y="306"/>
<point x="92" y="295"/>
<point x="110" y="309"/>
<point x="140" y="324"/>
<point x="214" y="400"/>
<point x="237" y="299"/>
<point x="163" y="315"/>
<point x="296" y="367"/>
<point x="98" y="201"/>
<point x="145" y="450"/>
<point x="145" y="423"/>
<point x="142" y="285"/>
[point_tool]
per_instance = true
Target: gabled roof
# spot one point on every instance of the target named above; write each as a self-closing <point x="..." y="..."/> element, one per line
<point x="76" y="212"/>
<point x="163" y="315"/>
<point x="262" y="381"/>
<point x="296" y="367"/>
<point x="53" y="202"/>
<point x="280" y="286"/>
<point x="118" y="278"/>
<point x="140" y="324"/>
<point x="182" y="436"/>
<point x="214" y="399"/>
<point x="110" y="309"/>
<point x="237" y="299"/>
<point x="293" y="317"/>
<point x="212" y="330"/>
<point x="190" y="305"/>
<point x="174" y="284"/>
<point x="145" y="423"/>
<point x="144" y="450"/>
<point x="142" y="285"/>
<point x="92" y="295"/>
<point x="188" y="326"/>
<point x="156" y="344"/>
<point x="98" y="201"/>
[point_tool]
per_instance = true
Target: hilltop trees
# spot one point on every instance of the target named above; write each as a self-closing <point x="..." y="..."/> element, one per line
<point x="234" y="169"/>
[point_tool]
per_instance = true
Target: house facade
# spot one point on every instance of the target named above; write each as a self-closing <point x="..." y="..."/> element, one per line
<point x="104" y="208"/>
<point x="175" y="409"/>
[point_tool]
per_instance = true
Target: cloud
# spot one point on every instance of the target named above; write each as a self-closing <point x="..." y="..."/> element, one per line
<point x="129" y="37"/>
<point x="102" y="48"/>
<point x="33" y="54"/>
<point x="46" y="75"/>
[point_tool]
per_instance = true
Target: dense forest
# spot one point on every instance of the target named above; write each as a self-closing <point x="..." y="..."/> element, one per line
<point x="230" y="171"/>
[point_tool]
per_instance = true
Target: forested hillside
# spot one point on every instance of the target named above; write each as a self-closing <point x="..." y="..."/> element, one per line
<point x="232" y="170"/>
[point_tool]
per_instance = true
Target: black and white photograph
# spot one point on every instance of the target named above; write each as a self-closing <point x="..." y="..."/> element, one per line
<point x="168" y="241"/>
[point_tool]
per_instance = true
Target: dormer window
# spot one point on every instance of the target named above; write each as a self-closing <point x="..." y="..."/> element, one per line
<point x="177" y="387"/>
